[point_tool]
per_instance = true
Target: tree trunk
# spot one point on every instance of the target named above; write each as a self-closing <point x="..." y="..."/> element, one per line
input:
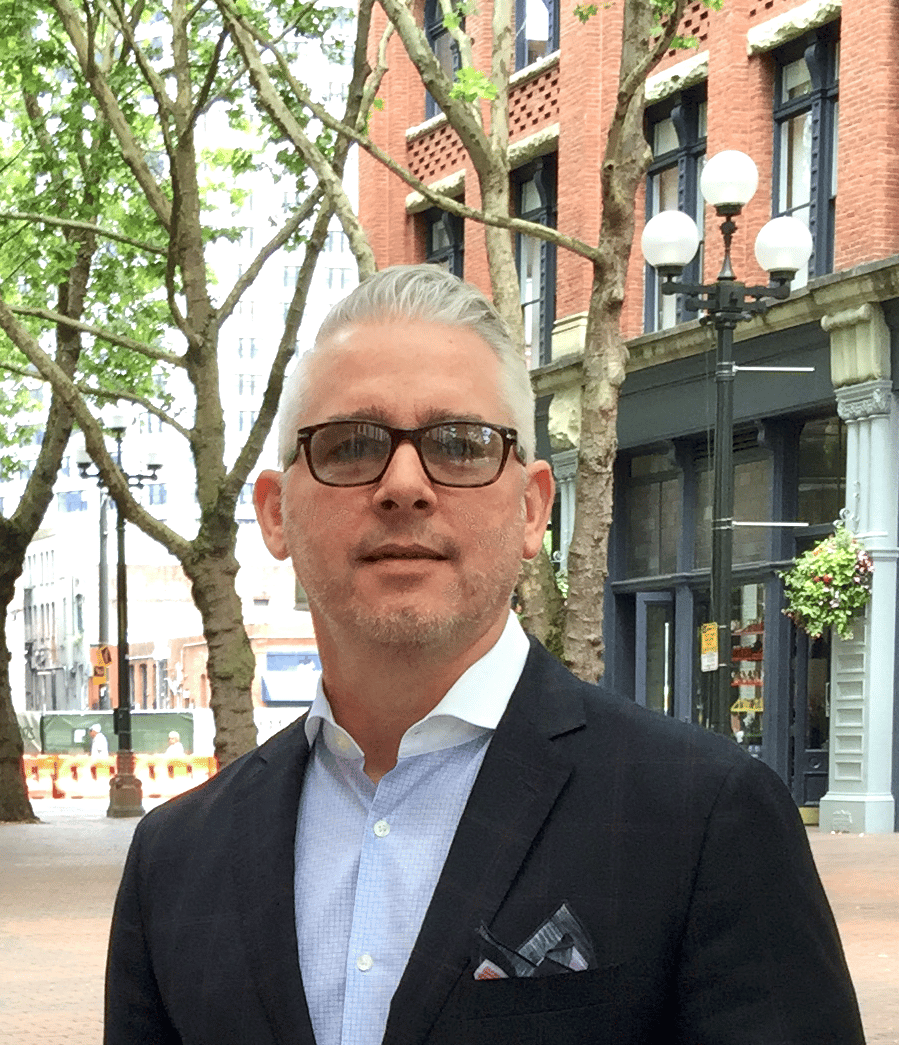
<point x="604" y="359"/>
<point x="15" y="806"/>
<point x="231" y="664"/>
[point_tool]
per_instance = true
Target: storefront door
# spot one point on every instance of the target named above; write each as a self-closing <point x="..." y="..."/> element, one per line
<point x="654" y="668"/>
<point x="810" y="727"/>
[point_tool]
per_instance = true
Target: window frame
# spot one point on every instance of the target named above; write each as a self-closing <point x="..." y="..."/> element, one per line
<point x="686" y="111"/>
<point x="543" y="173"/>
<point x="521" y="38"/>
<point x="435" y="31"/>
<point x="820" y="50"/>
<point x="451" y="255"/>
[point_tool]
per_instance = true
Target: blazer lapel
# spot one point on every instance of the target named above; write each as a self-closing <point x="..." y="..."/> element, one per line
<point x="515" y="790"/>
<point x="264" y="828"/>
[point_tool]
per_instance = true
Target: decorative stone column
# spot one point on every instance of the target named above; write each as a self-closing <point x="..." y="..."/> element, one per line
<point x="860" y="796"/>
<point x="564" y="424"/>
<point x="565" y="470"/>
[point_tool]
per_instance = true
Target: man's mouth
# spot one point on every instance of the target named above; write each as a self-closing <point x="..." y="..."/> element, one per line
<point x="402" y="551"/>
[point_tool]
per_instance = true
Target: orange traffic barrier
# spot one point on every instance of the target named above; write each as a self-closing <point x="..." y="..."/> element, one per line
<point x="85" y="777"/>
<point x="80" y="776"/>
<point x="40" y="775"/>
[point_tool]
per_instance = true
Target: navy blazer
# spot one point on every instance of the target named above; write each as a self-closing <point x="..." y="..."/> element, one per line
<point x="685" y="860"/>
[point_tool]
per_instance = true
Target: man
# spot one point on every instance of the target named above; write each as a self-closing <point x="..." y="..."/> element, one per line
<point x="461" y="844"/>
<point x="174" y="748"/>
<point x="99" y="744"/>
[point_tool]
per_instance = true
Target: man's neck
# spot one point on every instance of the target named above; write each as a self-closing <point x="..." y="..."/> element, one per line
<point x="377" y="692"/>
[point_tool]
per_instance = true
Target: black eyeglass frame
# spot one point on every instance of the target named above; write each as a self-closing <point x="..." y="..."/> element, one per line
<point x="414" y="436"/>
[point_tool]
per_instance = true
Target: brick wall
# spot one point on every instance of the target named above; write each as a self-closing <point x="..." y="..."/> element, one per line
<point x="579" y="94"/>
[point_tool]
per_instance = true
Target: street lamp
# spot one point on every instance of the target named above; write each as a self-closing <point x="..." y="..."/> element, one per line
<point x="783" y="246"/>
<point x="125" y="791"/>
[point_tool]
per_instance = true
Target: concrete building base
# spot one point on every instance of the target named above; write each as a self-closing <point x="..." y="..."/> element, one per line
<point x="857" y="814"/>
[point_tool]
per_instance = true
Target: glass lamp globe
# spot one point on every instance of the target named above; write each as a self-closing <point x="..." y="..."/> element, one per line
<point x="670" y="241"/>
<point x="729" y="180"/>
<point x="783" y="246"/>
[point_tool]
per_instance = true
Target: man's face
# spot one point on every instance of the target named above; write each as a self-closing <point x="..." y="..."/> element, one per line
<point x="404" y="561"/>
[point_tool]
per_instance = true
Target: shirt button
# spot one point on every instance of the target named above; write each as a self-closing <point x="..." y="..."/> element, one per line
<point x="382" y="828"/>
<point x="364" y="962"/>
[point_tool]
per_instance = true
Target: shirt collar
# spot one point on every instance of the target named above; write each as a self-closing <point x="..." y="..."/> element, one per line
<point x="473" y="705"/>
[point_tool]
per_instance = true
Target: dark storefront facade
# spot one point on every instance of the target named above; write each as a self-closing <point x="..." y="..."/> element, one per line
<point x="802" y="454"/>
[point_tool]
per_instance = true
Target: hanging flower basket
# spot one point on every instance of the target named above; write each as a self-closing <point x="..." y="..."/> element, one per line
<point x="830" y="585"/>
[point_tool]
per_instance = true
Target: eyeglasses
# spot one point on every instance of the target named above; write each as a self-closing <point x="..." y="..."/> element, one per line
<point x="452" y="453"/>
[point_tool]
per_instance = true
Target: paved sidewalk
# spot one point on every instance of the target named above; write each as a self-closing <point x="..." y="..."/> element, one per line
<point x="58" y="880"/>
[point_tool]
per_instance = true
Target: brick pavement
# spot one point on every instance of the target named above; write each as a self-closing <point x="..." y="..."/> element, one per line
<point x="58" y="881"/>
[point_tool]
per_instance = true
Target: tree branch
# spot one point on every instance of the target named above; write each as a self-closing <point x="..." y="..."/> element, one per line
<point x="284" y="119"/>
<point x="105" y="335"/>
<point x="131" y="151"/>
<point x="94" y="440"/>
<point x="247" y="279"/>
<point x="632" y="78"/>
<point x="84" y="226"/>
<point x="465" y="117"/>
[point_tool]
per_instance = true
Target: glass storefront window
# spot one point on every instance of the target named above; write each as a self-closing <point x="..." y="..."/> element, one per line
<point x="653" y="507"/>
<point x="747" y="672"/>
<point x="752" y="503"/>
<point x="822" y="470"/>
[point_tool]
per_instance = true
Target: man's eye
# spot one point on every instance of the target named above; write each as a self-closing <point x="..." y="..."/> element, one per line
<point x="463" y="444"/>
<point x="355" y="448"/>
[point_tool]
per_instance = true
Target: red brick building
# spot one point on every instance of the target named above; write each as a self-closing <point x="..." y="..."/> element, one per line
<point x="811" y="91"/>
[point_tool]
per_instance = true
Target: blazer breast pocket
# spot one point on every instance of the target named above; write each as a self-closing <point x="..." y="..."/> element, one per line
<point x="612" y="1005"/>
<point x="480" y="999"/>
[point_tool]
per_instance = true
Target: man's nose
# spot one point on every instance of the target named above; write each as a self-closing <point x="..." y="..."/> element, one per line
<point x="405" y="485"/>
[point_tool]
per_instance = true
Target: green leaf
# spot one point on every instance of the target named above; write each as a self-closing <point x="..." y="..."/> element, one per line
<point x="472" y="85"/>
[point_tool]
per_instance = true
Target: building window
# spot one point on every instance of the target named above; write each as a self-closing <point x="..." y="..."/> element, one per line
<point x="753" y="492"/>
<point x="805" y="141"/>
<point x="291" y="275"/>
<point x="652" y="509"/>
<point x="444" y="240"/>
<point x="71" y="501"/>
<point x="336" y="242"/>
<point x="246" y="384"/>
<point x="150" y="422"/>
<point x="444" y="47"/>
<point x="246" y="419"/>
<point x="534" y="191"/>
<point x="536" y="30"/>
<point x="822" y="471"/>
<point x="156" y="493"/>
<point x="246" y="347"/>
<point x="676" y="130"/>
<point x="338" y="278"/>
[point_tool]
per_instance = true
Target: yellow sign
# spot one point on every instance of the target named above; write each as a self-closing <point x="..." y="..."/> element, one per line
<point x="708" y="647"/>
<point x="100" y="658"/>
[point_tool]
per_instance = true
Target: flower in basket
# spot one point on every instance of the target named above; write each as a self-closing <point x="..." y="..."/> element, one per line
<point x="829" y="585"/>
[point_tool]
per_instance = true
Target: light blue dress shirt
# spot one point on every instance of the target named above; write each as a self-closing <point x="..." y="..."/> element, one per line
<point x="368" y="855"/>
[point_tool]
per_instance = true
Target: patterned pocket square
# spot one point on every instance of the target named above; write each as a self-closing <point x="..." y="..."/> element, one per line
<point x="561" y="944"/>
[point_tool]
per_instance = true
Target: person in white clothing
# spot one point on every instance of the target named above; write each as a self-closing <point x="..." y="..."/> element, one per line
<point x="99" y="744"/>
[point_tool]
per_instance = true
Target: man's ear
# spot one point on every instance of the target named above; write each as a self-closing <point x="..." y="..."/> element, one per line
<point x="539" y="495"/>
<point x="267" y="502"/>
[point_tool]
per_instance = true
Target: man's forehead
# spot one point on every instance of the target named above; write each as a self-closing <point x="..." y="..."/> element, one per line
<point x="398" y="345"/>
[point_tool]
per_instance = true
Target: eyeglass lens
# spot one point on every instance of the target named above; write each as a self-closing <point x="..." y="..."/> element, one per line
<point x="348" y="453"/>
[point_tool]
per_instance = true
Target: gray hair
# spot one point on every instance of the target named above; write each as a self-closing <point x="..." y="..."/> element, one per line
<point x="431" y="294"/>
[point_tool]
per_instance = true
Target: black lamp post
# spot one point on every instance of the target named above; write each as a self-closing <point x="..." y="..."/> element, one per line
<point x="783" y="246"/>
<point x="125" y="791"/>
